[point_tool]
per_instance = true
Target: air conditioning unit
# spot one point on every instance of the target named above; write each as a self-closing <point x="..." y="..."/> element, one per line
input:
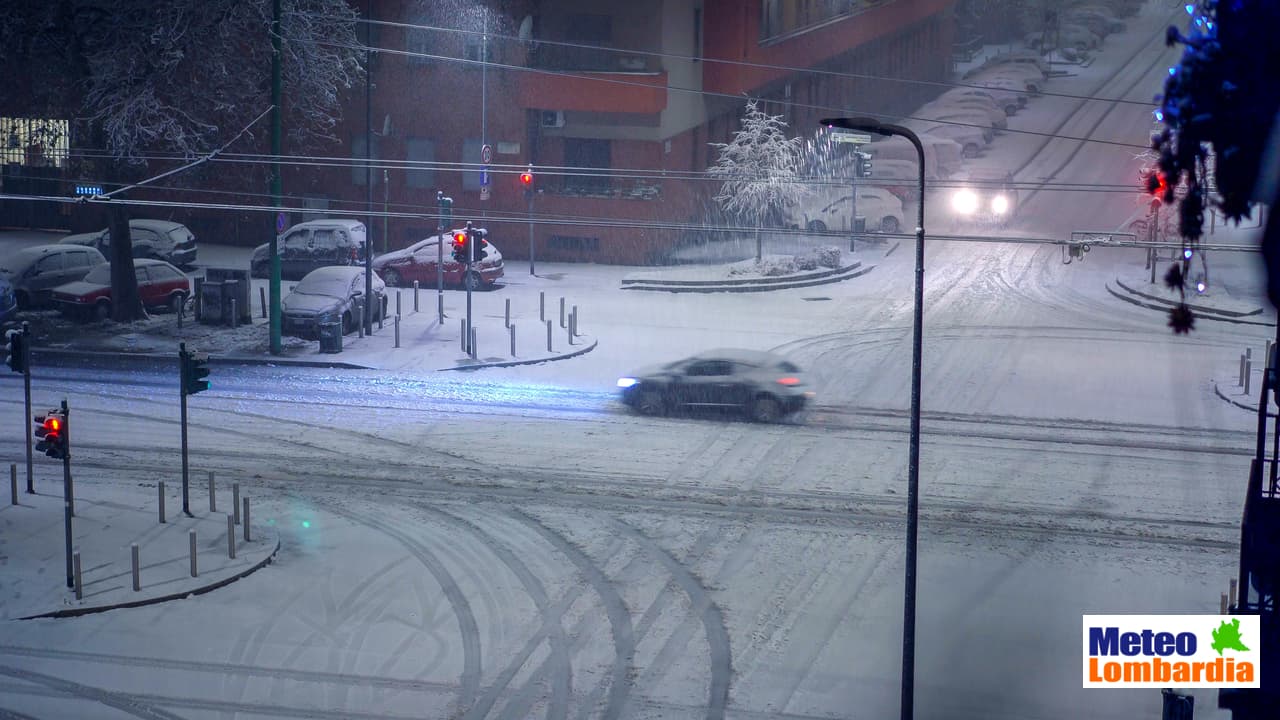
<point x="552" y="119"/>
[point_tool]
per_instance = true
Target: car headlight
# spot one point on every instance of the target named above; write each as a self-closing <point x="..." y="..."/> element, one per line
<point x="1000" y="205"/>
<point x="627" y="382"/>
<point x="964" y="202"/>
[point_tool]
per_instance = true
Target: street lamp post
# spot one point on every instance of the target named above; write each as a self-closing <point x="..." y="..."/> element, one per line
<point x="913" y="459"/>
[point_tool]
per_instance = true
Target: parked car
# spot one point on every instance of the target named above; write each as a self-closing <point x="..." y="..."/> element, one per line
<point x="971" y="139"/>
<point x="829" y="209"/>
<point x="986" y="197"/>
<point x="943" y="157"/>
<point x="765" y="386"/>
<point x="976" y="119"/>
<point x="159" y="239"/>
<point x="1011" y="101"/>
<point x="401" y="268"/>
<point x="8" y="301"/>
<point x="35" y="271"/>
<point x="160" y="285"/>
<point x="940" y="110"/>
<point x="311" y="245"/>
<point x="329" y="295"/>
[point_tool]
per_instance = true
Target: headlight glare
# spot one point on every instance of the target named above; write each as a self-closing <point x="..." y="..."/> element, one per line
<point x="964" y="202"/>
<point x="626" y="382"/>
<point x="1000" y="205"/>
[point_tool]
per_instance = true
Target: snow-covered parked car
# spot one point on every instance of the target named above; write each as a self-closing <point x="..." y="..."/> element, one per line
<point x="972" y="140"/>
<point x="763" y="385"/>
<point x="830" y="208"/>
<point x="401" y="268"/>
<point x="329" y="295"/>
<point x="940" y="108"/>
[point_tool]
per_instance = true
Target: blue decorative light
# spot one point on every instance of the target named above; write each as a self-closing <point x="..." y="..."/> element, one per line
<point x="1186" y="253"/>
<point x="1172" y="70"/>
<point x="1159" y="116"/>
<point x="1190" y="9"/>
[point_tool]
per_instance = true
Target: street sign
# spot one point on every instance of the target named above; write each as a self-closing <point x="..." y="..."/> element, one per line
<point x="90" y="190"/>
<point x="484" y="177"/>
<point x="486" y="154"/>
<point x="282" y="222"/>
<point x="851" y="137"/>
<point x="484" y="192"/>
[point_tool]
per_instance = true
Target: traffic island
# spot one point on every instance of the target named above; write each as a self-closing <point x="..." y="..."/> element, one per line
<point x="104" y="532"/>
<point x="1214" y="304"/>
<point x="741" y="277"/>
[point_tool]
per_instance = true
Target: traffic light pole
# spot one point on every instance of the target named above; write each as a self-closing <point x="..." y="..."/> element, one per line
<point x="466" y="281"/>
<point x="182" y="393"/>
<point x="68" y="494"/>
<point x="26" y="391"/>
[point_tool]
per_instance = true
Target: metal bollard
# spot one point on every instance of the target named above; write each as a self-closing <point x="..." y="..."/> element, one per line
<point x="1248" y="372"/>
<point x="75" y="570"/>
<point x="235" y="501"/>
<point x="13" y="483"/>
<point x="568" y="329"/>
<point x="231" y="536"/>
<point x="1232" y="596"/>
<point x="548" y="336"/>
<point x="262" y="297"/>
<point x="1222" y="605"/>
<point x="473" y="344"/>
<point x="542" y="306"/>
<point x="381" y="312"/>
<point x="507" y="318"/>
<point x="246" y="519"/>
<point x="213" y="502"/>
<point x="137" y="581"/>
<point x="573" y="322"/>
<point x="360" y="322"/>
<point x="415" y="296"/>
<point x="462" y="331"/>
<point x="191" y="549"/>
<point x="397" y="302"/>
<point x="561" y="312"/>
<point x="160" y="491"/>
<point x="440" y="309"/>
<point x="235" y="319"/>
<point x="397" y="328"/>
<point x="1240" y="377"/>
<point x="511" y="329"/>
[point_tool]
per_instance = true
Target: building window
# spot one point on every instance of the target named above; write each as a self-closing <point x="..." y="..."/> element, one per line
<point x="471" y="159"/>
<point x="420" y="150"/>
<point x="588" y="155"/>
<point x="573" y="243"/>
<point x="34" y="142"/>
<point x="358" y="155"/>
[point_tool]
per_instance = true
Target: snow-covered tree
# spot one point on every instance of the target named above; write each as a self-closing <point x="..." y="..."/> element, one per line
<point x="179" y="77"/>
<point x="760" y="168"/>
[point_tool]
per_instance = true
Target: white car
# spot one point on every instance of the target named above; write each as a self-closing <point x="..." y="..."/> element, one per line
<point x="972" y="140"/>
<point x="937" y="109"/>
<point x="1011" y="101"/>
<point x="986" y="197"/>
<point x="976" y="119"/>
<point x="828" y="208"/>
<point x="942" y="157"/>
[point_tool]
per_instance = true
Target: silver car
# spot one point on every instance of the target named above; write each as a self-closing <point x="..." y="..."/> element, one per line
<point x="762" y="385"/>
<point x="35" y="271"/>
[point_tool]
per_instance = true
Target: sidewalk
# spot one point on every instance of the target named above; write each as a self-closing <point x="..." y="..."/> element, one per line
<point x="107" y="522"/>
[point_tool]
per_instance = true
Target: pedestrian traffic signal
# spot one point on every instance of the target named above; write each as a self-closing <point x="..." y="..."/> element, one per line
<point x="51" y="434"/>
<point x="479" y="239"/>
<point x="460" y="245"/>
<point x="526" y="179"/>
<point x="194" y="368"/>
<point x="17" y="349"/>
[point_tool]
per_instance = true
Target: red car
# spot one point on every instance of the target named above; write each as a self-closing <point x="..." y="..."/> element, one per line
<point x="159" y="284"/>
<point x="418" y="262"/>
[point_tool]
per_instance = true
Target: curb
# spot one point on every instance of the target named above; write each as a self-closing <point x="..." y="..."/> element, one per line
<point x="740" y="281"/>
<point x="1199" y="316"/>
<point x="534" y="361"/>
<point x="214" y="359"/>
<point x="756" y="287"/>
<point x="1217" y="391"/>
<point x="1197" y="308"/>
<point x="76" y="612"/>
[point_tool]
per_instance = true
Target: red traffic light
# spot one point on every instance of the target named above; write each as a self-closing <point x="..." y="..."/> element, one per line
<point x="459" y="237"/>
<point x="526" y="178"/>
<point x="52" y="425"/>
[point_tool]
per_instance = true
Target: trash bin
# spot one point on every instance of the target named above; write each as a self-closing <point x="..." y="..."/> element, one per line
<point x="331" y="337"/>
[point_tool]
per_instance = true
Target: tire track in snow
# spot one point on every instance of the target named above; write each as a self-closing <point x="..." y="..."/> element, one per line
<point x="467" y="628"/>
<point x="616" y="610"/>
<point x="550" y="629"/>
<point x="127" y="703"/>
<point x="707" y="610"/>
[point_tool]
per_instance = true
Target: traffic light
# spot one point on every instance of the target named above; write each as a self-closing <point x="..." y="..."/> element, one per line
<point x="526" y="182"/>
<point x="51" y="434"/>
<point x="862" y="165"/>
<point x="17" y="351"/>
<point x="479" y="238"/>
<point x="195" y="368"/>
<point x="460" y="245"/>
<point x="446" y="209"/>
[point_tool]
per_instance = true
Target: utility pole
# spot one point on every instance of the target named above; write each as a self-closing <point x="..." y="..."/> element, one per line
<point x="276" y="190"/>
<point x="367" y="315"/>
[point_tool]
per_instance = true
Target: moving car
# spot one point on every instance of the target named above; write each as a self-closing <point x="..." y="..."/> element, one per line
<point x="763" y="385"/>
<point x="311" y="245"/>
<point x="35" y="271"/>
<point x="159" y="239"/>
<point x="418" y="262"/>
<point x="829" y="209"/>
<point x="329" y="295"/>
<point x="160" y="285"/>
<point x="985" y="196"/>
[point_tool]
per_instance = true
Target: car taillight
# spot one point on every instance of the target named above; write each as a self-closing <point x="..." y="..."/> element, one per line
<point x="788" y="381"/>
